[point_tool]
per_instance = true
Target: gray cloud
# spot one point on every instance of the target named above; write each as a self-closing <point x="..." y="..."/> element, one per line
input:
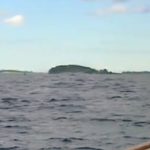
<point x="115" y="9"/>
<point x="142" y="9"/>
<point x="121" y="9"/>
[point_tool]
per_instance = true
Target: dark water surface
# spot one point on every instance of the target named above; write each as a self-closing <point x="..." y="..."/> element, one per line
<point x="73" y="111"/>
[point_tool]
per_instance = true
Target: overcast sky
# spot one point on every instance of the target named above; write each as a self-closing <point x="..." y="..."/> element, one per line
<point x="39" y="34"/>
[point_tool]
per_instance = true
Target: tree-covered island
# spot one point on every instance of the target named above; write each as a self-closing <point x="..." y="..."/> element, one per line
<point x="76" y="69"/>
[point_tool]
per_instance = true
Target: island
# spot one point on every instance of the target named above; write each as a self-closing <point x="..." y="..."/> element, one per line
<point x="136" y="72"/>
<point x="72" y="68"/>
<point x="76" y="69"/>
<point x="15" y="71"/>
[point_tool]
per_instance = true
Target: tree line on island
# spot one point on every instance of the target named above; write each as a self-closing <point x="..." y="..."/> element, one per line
<point x="83" y="69"/>
<point x="76" y="69"/>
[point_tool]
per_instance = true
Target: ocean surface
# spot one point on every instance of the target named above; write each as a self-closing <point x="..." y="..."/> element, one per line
<point x="73" y="111"/>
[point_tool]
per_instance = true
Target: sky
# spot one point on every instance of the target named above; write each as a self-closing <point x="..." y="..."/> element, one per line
<point x="36" y="35"/>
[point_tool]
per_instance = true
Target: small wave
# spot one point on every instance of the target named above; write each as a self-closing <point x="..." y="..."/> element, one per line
<point x="126" y="120"/>
<point x="60" y="118"/>
<point x="71" y="106"/>
<point x="103" y="120"/>
<point x="9" y="148"/>
<point x="80" y="80"/>
<point x="3" y="108"/>
<point x="25" y="101"/>
<point x="145" y="138"/>
<point x="57" y="100"/>
<point x="16" y="140"/>
<point x="52" y="148"/>
<point x="128" y="137"/>
<point x="87" y="148"/>
<point x="23" y="132"/>
<point x="67" y="140"/>
<point x="17" y="127"/>
<point x="110" y="120"/>
<point x="53" y="100"/>
<point x="115" y="97"/>
<point x="61" y="83"/>
<point x="34" y="93"/>
<point x="139" y="138"/>
<point x="11" y="126"/>
<point x="141" y="123"/>
<point x="117" y="84"/>
<point x="18" y="119"/>
<point x="127" y="91"/>
<point x="9" y="100"/>
<point x="75" y="111"/>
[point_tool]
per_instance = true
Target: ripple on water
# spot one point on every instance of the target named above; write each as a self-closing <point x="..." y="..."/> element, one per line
<point x="66" y="140"/>
<point x="9" y="148"/>
<point x="141" y="123"/>
<point x="9" y="100"/>
<point x="52" y="148"/>
<point x="87" y="148"/>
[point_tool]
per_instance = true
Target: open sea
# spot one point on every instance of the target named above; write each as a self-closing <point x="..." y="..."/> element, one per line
<point x="73" y="111"/>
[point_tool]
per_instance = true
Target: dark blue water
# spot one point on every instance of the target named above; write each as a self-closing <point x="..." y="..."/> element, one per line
<point x="73" y="111"/>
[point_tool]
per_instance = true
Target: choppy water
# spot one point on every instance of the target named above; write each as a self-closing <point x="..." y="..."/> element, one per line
<point x="73" y="111"/>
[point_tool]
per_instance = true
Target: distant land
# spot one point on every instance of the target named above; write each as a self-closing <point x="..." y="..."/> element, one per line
<point x="76" y="69"/>
<point x="73" y="69"/>
<point x="84" y="69"/>
<point x="14" y="71"/>
<point x="136" y="72"/>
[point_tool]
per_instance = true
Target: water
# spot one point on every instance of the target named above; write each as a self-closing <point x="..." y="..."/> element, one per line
<point x="73" y="111"/>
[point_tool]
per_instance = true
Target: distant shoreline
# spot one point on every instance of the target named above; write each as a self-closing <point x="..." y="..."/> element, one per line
<point x="15" y="71"/>
<point x="74" y="69"/>
<point x="78" y="69"/>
